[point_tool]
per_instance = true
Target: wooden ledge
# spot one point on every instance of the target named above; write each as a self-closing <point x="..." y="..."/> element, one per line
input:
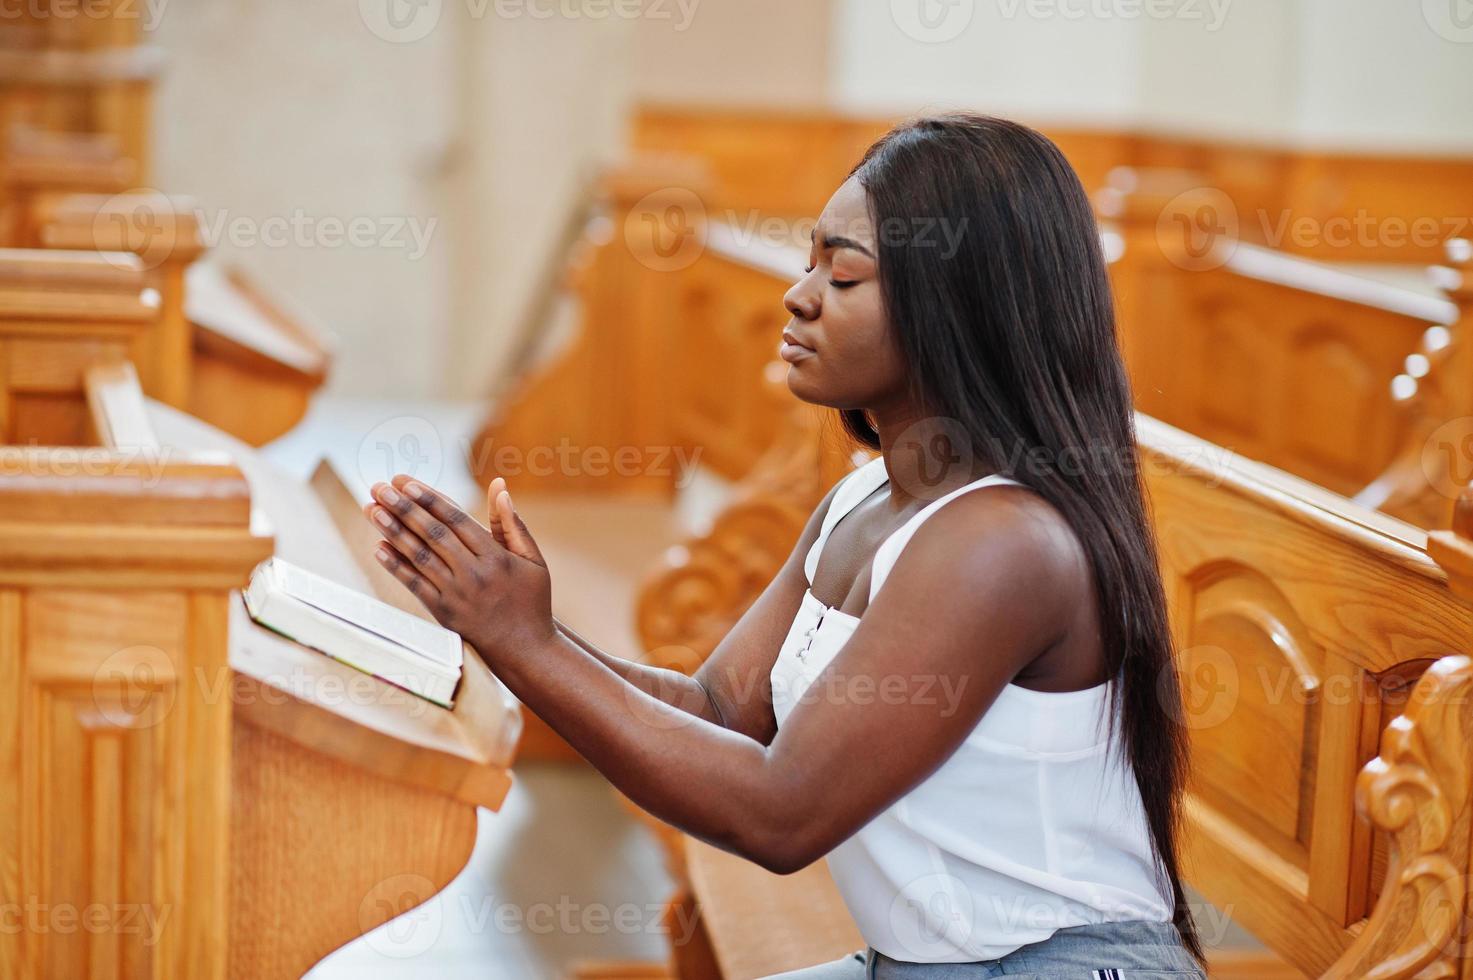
<point x="1162" y="445"/>
<point x="155" y="226"/>
<point x="93" y="485"/>
<point x="332" y="709"/>
<point x="95" y="287"/>
<point x="53" y="68"/>
<point x="66" y="172"/>
<point x="98" y="517"/>
<point x="84" y="269"/>
<point x="236" y="322"/>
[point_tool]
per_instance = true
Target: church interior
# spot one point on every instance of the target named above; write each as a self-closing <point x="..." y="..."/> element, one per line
<point x="258" y="256"/>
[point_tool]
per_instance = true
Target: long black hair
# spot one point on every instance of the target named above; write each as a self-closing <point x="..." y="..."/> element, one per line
<point x="1006" y="324"/>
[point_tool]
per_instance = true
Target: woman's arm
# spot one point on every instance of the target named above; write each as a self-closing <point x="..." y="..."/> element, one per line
<point x="979" y="593"/>
<point x="720" y="690"/>
<point x="670" y="686"/>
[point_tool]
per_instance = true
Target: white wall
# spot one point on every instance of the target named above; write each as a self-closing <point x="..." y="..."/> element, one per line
<point x="734" y="52"/>
<point x="992" y="55"/>
<point x="544" y="104"/>
<point x="1357" y="74"/>
<point x="282" y="114"/>
<point x="1235" y="74"/>
<point x="1386" y="75"/>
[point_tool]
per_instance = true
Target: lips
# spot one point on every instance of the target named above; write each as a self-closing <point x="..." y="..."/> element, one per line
<point x="792" y="349"/>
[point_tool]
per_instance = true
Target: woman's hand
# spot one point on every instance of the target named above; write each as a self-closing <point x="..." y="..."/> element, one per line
<point x="490" y="585"/>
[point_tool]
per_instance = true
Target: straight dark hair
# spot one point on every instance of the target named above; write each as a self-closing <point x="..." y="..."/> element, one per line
<point x="992" y="276"/>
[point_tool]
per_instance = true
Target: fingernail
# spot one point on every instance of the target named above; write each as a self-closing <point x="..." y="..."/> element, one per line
<point x="382" y="518"/>
<point x="414" y="490"/>
<point x="382" y="554"/>
<point x="389" y="495"/>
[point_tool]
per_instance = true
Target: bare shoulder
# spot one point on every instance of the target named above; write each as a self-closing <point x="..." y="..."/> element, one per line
<point x="1008" y="538"/>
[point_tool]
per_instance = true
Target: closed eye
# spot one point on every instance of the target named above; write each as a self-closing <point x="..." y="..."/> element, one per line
<point x="840" y="284"/>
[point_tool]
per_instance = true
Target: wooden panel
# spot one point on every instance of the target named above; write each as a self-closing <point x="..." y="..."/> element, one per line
<point x="1278" y="358"/>
<point x="1232" y="618"/>
<point x="47" y="420"/>
<point x="324" y="852"/>
<point x="118" y="844"/>
<point x="1337" y="206"/>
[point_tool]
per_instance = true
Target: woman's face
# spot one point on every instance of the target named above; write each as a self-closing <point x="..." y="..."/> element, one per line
<point x="839" y="345"/>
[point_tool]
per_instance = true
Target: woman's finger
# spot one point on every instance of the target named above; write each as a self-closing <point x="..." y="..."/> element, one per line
<point x="466" y="528"/>
<point x="410" y="546"/>
<point x="426" y="527"/>
<point x="423" y="589"/>
<point x="518" y="538"/>
<point x="493" y="515"/>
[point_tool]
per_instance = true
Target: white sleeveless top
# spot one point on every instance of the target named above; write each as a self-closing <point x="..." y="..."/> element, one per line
<point x="1033" y="824"/>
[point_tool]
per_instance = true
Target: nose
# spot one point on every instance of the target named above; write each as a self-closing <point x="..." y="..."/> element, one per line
<point x="804" y="299"/>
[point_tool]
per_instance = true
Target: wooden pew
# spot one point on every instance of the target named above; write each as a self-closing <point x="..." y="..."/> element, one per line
<point x="1435" y="459"/>
<point x="61" y="313"/>
<point x="302" y="803"/>
<point x="116" y="571"/>
<point x="1279" y="358"/>
<point x="38" y="165"/>
<point x="783" y="163"/>
<point x="106" y="91"/>
<point x="1331" y="801"/>
<point x="605" y="386"/>
<point x="677" y="323"/>
<point x="225" y="351"/>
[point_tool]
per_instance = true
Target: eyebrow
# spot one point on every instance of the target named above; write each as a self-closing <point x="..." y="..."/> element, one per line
<point x="839" y="241"/>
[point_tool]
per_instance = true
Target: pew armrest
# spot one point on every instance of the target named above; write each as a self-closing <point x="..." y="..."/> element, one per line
<point x="1418" y="791"/>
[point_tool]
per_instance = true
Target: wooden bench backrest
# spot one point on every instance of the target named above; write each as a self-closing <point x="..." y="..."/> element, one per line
<point x="1302" y="622"/>
<point x="1280" y="358"/>
<point x="60" y="314"/>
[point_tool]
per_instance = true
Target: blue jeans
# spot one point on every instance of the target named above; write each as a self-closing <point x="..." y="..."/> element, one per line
<point x="1109" y="951"/>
